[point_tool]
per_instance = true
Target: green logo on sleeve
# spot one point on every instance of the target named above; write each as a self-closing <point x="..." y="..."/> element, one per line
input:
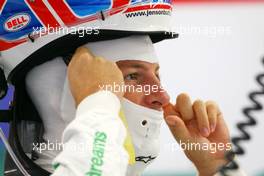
<point x="98" y="154"/>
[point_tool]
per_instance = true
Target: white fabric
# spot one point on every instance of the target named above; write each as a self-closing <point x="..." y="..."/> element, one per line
<point x="144" y="127"/>
<point x="45" y="84"/>
<point x="93" y="141"/>
<point x="67" y="107"/>
<point x="128" y="48"/>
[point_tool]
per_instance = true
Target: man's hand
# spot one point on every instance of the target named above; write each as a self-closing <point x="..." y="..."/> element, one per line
<point x="196" y="125"/>
<point x="87" y="73"/>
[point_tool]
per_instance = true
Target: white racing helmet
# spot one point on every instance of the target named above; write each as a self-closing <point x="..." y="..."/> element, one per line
<point x="34" y="32"/>
<point x="39" y="30"/>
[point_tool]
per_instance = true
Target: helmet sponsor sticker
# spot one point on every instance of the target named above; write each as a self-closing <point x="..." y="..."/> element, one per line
<point x="17" y="22"/>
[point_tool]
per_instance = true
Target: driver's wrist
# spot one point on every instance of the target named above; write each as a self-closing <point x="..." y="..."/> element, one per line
<point x="206" y="173"/>
<point x="210" y="170"/>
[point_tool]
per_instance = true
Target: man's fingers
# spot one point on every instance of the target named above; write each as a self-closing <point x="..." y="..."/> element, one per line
<point x="206" y="114"/>
<point x="82" y="50"/>
<point x="212" y="111"/>
<point x="184" y="106"/>
<point x="92" y="80"/>
<point x="169" y="110"/>
<point x="178" y="128"/>
<point x="202" y="117"/>
<point x="81" y="53"/>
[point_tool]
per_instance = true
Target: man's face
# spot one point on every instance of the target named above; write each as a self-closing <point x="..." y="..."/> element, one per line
<point x="143" y="84"/>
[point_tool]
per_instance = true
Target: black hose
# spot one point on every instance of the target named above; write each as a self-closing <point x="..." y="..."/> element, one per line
<point x="250" y="121"/>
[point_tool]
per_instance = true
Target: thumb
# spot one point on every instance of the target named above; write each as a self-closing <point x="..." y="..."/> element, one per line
<point x="178" y="128"/>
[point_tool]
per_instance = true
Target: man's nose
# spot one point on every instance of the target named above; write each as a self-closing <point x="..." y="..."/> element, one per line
<point x="157" y="97"/>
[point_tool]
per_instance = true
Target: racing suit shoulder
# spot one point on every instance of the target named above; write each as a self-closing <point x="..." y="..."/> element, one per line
<point x="93" y="141"/>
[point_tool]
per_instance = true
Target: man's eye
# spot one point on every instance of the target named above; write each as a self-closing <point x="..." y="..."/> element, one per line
<point x="132" y="76"/>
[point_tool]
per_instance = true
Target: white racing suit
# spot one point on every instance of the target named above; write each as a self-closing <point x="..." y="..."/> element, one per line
<point x="93" y="141"/>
